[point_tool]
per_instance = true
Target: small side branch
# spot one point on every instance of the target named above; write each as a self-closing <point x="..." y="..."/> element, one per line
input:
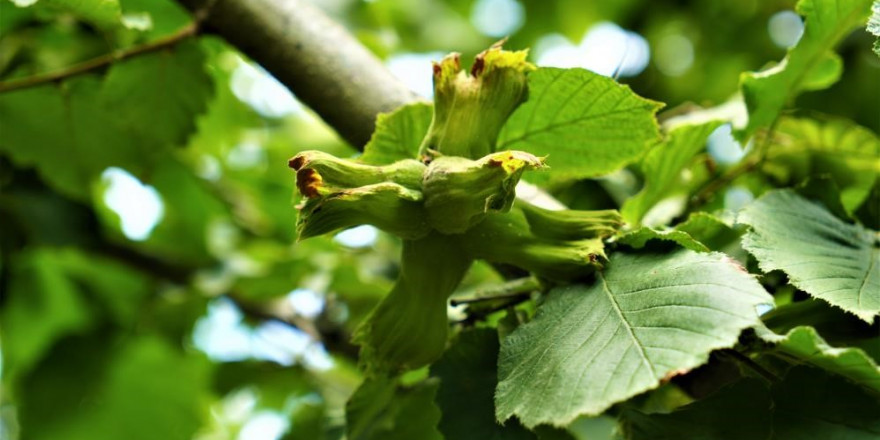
<point x="510" y="289"/>
<point x="707" y="192"/>
<point x="99" y="62"/>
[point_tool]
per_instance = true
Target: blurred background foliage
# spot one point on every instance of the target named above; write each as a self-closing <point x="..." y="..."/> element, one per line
<point x="152" y="286"/>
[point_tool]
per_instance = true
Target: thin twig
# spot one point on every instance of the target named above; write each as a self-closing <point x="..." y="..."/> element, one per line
<point x="751" y="364"/>
<point x="101" y="61"/>
<point x="263" y="313"/>
<point x="708" y="191"/>
<point x="477" y="315"/>
<point x="509" y="289"/>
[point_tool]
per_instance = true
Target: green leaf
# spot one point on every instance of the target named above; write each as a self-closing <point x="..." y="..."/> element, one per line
<point x="468" y="376"/>
<point x="638" y="238"/>
<point x="104" y="14"/>
<point x="41" y="306"/>
<point x="140" y="389"/>
<point x="701" y="232"/>
<point x="874" y="25"/>
<point x="587" y="124"/>
<point x="739" y="411"/>
<point x="663" y="164"/>
<point x="382" y="410"/>
<point x="83" y="140"/>
<point x="809" y="65"/>
<point x="645" y="318"/>
<point x="709" y="230"/>
<point x="146" y="106"/>
<point x="823" y="256"/>
<point x="811" y="405"/>
<point x="165" y="16"/>
<point x="805" y="345"/>
<point x="156" y="98"/>
<point x="846" y="152"/>
<point x="807" y="404"/>
<point x="58" y="286"/>
<point x="398" y="134"/>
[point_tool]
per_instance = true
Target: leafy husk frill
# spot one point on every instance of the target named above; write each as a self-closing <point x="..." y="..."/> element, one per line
<point x="453" y="204"/>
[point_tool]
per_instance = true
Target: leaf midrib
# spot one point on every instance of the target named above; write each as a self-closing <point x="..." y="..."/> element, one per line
<point x="629" y="327"/>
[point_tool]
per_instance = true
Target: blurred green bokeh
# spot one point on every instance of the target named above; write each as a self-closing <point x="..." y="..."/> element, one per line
<point x="141" y="258"/>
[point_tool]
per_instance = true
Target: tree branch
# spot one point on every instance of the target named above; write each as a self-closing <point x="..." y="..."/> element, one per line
<point x="98" y="62"/>
<point x="321" y="63"/>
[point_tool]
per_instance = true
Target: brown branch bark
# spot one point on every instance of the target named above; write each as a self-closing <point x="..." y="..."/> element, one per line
<point x="321" y="63"/>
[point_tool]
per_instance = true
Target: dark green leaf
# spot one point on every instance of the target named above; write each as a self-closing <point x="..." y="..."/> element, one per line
<point x="156" y="98"/>
<point x="468" y="376"/>
<point x="141" y="390"/>
<point x="823" y="256"/>
<point x="809" y="404"/>
<point x="382" y="410"/>
<point x="646" y="317"/>
<point x="146" y="106"/>
<point x="740" y="411"/>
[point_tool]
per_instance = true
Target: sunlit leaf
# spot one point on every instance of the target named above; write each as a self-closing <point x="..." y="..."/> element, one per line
<point x="846" y="152"/>
<point x="585" y="123"/>
<point x="638" y="238"/>
<point x="663" y="164"/>
<point x="809" y="65"/>
<point x="874" y="25"/>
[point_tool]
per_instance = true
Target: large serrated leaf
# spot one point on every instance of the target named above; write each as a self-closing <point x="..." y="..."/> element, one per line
<point x="823" y="256"/>
<point x="585" y="123"/>
<point x="809" y="65"/>
<point x="805" y="345"/>
<point x="645" y="318"/>
<point x="663" y="164"/>
<point x="155" y="98"/>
